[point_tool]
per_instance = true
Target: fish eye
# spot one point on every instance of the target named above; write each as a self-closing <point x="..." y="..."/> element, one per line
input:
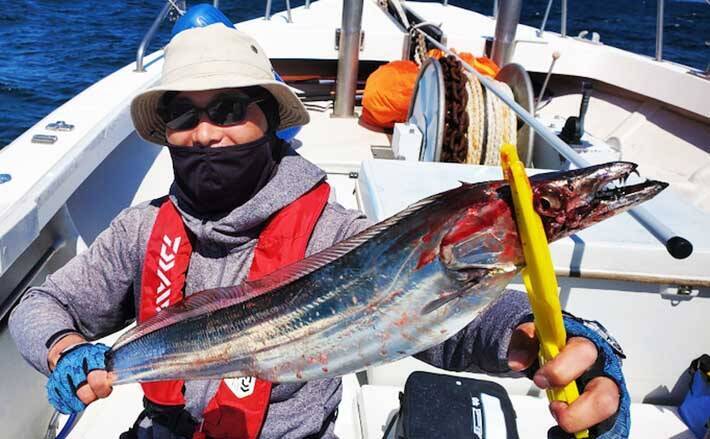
<point x="549" y="202"/>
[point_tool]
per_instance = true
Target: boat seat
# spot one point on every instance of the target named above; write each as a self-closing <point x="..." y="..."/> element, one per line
<point x="377" y="405"/>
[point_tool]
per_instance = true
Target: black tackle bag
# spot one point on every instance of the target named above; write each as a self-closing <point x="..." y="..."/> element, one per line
<point x="444" y="406"/>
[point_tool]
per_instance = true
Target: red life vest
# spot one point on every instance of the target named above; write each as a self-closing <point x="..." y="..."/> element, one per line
<point x="235" y="411"/>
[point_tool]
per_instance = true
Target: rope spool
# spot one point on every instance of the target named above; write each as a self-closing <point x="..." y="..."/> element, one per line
<point x="477" y="123"/>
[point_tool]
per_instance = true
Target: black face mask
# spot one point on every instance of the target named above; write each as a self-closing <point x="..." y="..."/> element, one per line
<point x="212" y="182"/>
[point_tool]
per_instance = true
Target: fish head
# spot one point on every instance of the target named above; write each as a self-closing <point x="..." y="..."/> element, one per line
<point x="480" y="248"/>
<point x="573" y="200"/>
<point x="482" y="238"/>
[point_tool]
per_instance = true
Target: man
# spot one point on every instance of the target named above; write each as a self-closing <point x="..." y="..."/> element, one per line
<point x="237" y="186"/>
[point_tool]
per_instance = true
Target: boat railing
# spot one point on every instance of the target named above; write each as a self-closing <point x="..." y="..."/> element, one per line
<point x="172" y="9"/>
<point x="659" y="30"/>
<point x="267" y="14"/>
<point x="677" y="246"/>
<point x="563" y="22"/>
<point x="563" y="19"/>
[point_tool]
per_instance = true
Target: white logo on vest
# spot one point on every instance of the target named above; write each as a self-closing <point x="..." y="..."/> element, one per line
<point x="165" y="263"/>
<point x="241" y="387"/>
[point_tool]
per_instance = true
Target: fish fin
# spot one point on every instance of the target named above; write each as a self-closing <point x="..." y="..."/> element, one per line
<point x="493" y="272"/>
<point x="499" y="268"/>
<point x="441" y="301"/>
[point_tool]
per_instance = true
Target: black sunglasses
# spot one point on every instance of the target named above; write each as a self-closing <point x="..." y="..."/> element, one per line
<point x="180" y="113"/>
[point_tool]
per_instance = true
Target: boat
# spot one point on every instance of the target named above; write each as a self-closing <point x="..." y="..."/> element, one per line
<point x="645" y="275"/>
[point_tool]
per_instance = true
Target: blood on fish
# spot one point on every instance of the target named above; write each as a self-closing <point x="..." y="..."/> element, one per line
<point x="476" y="219"/>
<point x="402" y="320"/>
<point x="426" y="257"/>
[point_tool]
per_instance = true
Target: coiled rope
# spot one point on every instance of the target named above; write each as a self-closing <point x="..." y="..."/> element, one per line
<point x="502" y="127"/>
<point x="476" y="109"/>
<point x="476" y="122"/>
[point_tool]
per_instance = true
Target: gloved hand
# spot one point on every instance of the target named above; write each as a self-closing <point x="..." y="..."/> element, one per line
<point x="71" y="372"/>
<point x="608" y="364"/>
<point x="592" y="358"/>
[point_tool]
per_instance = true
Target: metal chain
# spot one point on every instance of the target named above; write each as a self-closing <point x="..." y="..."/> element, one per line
<point x="456" y="119"/>
<point x="420" y="47"/>
<point x="420" y="50"/>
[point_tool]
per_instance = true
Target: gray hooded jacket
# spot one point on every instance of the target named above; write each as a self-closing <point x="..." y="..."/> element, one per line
<point x="97" y="293"/>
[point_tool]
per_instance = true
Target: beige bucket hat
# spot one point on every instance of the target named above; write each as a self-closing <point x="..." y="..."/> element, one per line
<point x="210" y="58"/>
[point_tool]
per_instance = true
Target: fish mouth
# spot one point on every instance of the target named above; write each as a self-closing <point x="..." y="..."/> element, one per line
<point x="613" y="193"/>
<point x="572" y="200"/>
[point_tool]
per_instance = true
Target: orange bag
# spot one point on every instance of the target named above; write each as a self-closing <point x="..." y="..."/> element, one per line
<point x="388" y="91"/>
<point x="482" y="64"/>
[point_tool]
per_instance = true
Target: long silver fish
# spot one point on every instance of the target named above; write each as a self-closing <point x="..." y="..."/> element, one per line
<point x="398" y="288"/>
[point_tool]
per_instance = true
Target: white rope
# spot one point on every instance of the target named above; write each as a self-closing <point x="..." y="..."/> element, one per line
<point x="475" y="107"/>
<point x="510" y="120"/>
<point x="501" y="124"/>
<point x="493" y="134"/>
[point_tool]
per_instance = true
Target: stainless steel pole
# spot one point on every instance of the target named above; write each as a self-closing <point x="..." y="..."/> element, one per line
<point x="149" y="36"/>
<point x="677" y="246"/>
<point x="348" y="59"/>
<point x="563" y="19"/>
<point x="659" y="30"/>
<point x="544" y="19"/>
<point x="495" y="8"/>
<point x="506" y="26"/>
<point x="267" y="13"/>
<point x="215" y="3"/>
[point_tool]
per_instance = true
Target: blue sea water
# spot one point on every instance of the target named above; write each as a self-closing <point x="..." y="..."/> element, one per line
<point x="50" y="50"/>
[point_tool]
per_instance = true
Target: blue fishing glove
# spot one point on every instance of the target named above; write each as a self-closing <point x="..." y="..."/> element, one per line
<point x="72" y="369"/>
<point x="609" y="365"/>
